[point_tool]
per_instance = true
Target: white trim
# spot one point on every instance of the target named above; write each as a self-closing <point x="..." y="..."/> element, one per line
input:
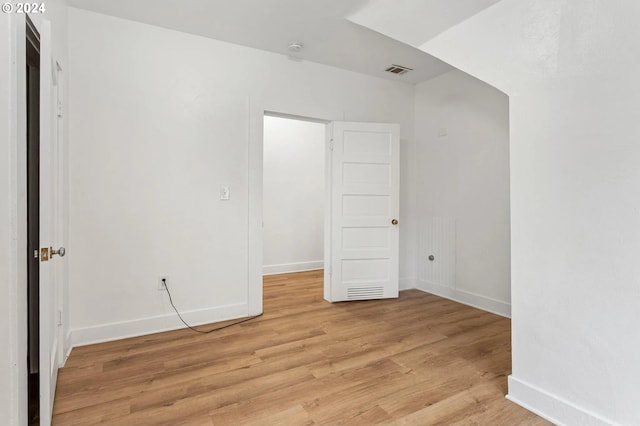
<point x="254" y="215"/>
<point x="476" y="300"/>
<point x="407" y="284"/>
<point x="13" y="190"/>
<point x="67" y="349"/>
<point x="551" y="407"/>
<point x="284" y="268"/>
<point x="139" y="327"/>
<point x="328" y="196"/>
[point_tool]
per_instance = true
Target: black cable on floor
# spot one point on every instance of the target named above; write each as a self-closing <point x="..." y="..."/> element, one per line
<point x="164" y="281"/>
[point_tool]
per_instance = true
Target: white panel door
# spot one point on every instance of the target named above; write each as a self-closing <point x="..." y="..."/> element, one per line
<point x="48" y="208"/>
<point x="363" y="211"/>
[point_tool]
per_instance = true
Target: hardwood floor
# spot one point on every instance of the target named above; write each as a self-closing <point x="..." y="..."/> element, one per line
<point x="419" y="359"/>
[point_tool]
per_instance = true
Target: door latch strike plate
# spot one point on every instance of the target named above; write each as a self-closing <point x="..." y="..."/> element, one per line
<point x="44" y="254"/>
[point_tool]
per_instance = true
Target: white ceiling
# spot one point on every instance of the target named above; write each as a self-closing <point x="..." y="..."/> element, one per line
<point x="321" y="25"/>
<point x="416" y="21"/>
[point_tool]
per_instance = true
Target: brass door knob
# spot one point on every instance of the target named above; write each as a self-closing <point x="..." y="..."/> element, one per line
<point x="60" y="252"/>
<point x="394" y="221"/>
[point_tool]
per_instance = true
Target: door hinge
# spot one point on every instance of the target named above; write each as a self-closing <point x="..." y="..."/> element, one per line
<point x="59" y="109"/>
<point x="331" y="144"/>
<point x="35" y="254"/>
<point x="59" y="318"/>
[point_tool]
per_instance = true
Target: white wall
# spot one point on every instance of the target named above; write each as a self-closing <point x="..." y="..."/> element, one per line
<point x="571" y="71"/>
<point x="293" y="195"/>
<point x="160" y="123"/>
<point x="462" y="155"/>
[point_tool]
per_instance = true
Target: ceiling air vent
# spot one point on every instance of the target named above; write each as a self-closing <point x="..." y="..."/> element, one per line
<point x="398" y="69"/>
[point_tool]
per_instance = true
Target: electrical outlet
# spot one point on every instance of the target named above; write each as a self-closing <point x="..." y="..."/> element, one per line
<point x="160" y="283"/>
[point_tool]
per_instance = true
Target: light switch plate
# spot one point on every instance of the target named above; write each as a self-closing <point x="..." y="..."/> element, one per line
<point x="225" y="193"/>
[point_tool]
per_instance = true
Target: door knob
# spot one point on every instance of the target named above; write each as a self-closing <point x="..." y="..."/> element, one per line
<point x="394" y="221"/>
<point x="60" y="252"/>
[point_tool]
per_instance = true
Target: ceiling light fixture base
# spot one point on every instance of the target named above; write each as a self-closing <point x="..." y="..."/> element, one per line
<point x="295" y="46"/>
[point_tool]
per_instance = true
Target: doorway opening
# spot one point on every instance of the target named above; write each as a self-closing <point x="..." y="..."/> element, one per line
<point x="294" y="198"/>
<point x="33" y="217"/>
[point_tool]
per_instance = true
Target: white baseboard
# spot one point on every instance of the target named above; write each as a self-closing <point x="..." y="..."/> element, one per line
<point x="476" y="300"/>
<point x="551" y="407"/>
<point x="139" y="327"/>
<point x="285" y="268"/>
<point x="407" y="283"/>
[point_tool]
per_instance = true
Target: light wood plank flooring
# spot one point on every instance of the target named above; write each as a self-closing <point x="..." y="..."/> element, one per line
<point x="419" y="359"/>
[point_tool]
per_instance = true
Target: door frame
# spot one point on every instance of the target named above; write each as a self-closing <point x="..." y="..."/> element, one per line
<point x="16" y="213"/>
<point x="326" y="220"/>
<point x="33" y="182"/>
<point x="257" y="110"/>
<point x="17" y="217"/>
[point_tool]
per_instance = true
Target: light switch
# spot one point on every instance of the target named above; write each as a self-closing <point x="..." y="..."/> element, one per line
<point x="225" y="193"/>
